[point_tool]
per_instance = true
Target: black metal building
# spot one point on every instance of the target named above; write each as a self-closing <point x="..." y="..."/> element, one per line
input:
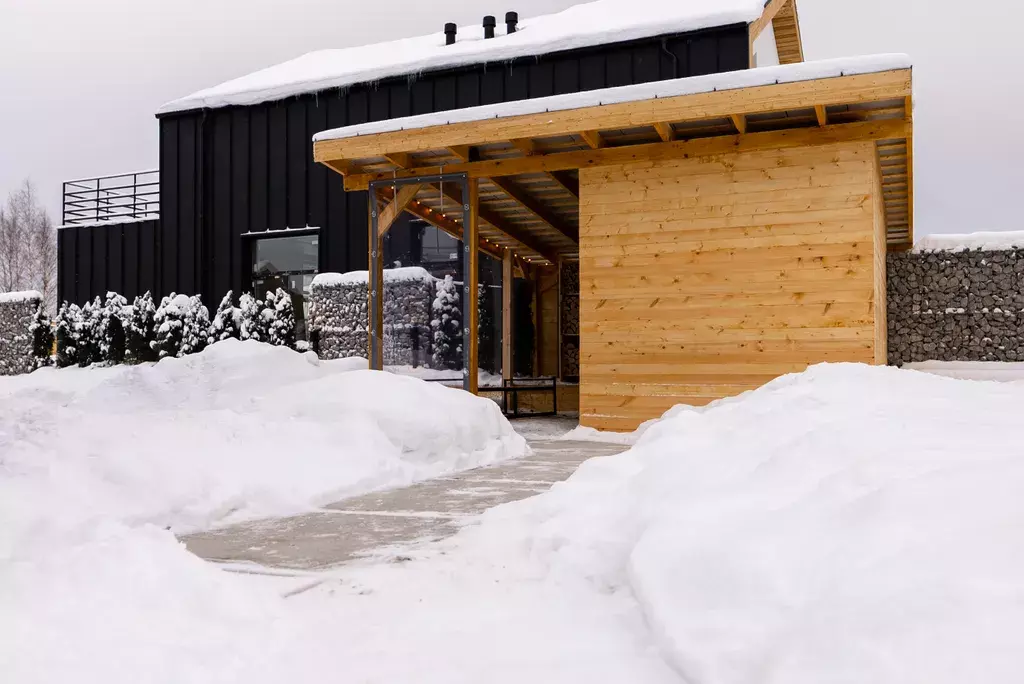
<point x="232" y="175"/>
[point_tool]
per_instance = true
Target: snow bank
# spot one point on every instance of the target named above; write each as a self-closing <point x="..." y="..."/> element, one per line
<point x="19" y="297"/>
<point x="748" y="78"/>
<point x="960" y="242"/>
<point x="391" y="275"/>
<point x="593" y="23"/>
<point x="241" y="429"/>
<point x="851" y="523"/>
<point x="999" y="371"/>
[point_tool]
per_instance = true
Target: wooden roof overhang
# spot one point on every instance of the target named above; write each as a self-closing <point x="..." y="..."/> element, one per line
<point x="527" y="164"/>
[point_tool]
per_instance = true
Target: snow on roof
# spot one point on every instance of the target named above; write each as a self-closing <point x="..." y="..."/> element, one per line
<point x="585" y="25"/>
<point x="961" y="242"/>
<point x="18" y="297"/>
<point x="391" y="275"/>
<point x="786" y="73"/>
<point x="110" y="222"/>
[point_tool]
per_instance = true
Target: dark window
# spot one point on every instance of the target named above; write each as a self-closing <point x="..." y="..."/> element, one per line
<point x="289" y="263"/>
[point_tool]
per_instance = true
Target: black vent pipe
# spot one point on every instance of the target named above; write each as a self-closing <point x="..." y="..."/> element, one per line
<point x="449" y="33"/>
<point x="511" y="20"/>
<point x="489" y="24"/>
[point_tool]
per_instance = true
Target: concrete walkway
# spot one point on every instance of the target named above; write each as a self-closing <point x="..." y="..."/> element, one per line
<point x="366" y="525"/>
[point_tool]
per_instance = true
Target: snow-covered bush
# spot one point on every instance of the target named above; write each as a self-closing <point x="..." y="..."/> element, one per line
<point x="67" y="340"/>
<point x="41" y="330"/>
<point x="182" y="326"/>
<point x="169" y="320"/>
<point x="446" y="324"/>
<point x="110" y="333"/>
<point x="195" y="327"/>
<point x="252" y="326"/>
<point x="87" y="333"/>
<point x="227" y="321"/>
<point x="282" y="327"/>
<point x="141" y="330"/>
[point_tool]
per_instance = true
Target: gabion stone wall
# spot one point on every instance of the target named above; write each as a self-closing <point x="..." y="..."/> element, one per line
<point x="16" y="312"/>
<point x="338" y="312"/>
<point x="956" y="306"/>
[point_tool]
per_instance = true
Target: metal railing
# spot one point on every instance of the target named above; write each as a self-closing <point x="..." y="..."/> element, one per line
<point x="120" y="197"/>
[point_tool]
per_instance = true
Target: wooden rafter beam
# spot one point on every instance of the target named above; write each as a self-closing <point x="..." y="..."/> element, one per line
<point x="740" y="122"/>
<point x="525" y="145"/>
<point x="569" y="184"/>
<point x="775" y="97"/>
<point x="593" y="139"/>
<point x="759" y="24"/>
<point x="405" y="195"/>
<point x="495" y="220"/>
<point x="529" y="148"/>
<point x="665" y="131"/>
<point x="698" y="147"/>
<point x="821" y="114"/>
<point x="402" y="160"/>
<point x="786" y="27"/>
<point x="442" y="223"/>
<point x="460" y="151"/>
<point x="537" y="209"/>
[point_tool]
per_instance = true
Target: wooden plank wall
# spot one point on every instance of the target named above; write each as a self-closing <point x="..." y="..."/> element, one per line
<point x="703" y="278"/>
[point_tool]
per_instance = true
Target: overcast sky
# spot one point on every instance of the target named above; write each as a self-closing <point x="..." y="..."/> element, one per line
<point x="80" y="79"/>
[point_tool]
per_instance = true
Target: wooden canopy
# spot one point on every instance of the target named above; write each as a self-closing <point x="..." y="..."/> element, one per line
<point x="527" y="164"/>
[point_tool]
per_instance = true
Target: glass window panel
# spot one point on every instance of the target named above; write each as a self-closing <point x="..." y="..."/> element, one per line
<point x="286" y="254"/>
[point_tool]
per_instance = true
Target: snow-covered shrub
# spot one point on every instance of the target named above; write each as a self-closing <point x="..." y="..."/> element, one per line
<point x="41" y="330"/>
<point x="446" y="324"/>
<point x="182" y="326"/>
<point x="67" y="340"/>
<point x="111" y="333"/>
<point x="170" y="325"/>
<point x="252" y="326"/>
<point x="87" y="333"/>
<point x="227" y="322"/>
<point x="195" y="327"/>
<point x="282" y="327"/>
<point x="141" y="330"/>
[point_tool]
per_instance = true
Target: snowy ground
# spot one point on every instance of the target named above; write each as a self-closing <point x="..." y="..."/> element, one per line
<point x="847" y="524"/>
<point x="240" y="430"/>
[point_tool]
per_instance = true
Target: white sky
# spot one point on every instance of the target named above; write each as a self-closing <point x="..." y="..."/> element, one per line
<point x="80" y="79"/>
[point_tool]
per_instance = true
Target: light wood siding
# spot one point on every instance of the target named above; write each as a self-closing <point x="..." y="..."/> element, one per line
<point x="547" y="348"/>
<point x="703" y="278"/>
<point x="880" y="245"/>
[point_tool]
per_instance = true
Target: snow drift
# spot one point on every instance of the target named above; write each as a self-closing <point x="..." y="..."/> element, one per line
<point x="848" y="524"/>
<point x="241" y="429"/>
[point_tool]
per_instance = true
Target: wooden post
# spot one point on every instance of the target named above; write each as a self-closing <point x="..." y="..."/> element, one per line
<point x="471" y="240"/>
<point x="538" y="337"/>
<point x="375" y="289"/>
<point x="507" y="283"/>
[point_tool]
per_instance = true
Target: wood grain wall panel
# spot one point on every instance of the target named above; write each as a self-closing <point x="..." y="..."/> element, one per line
<point x="704" y="278"/>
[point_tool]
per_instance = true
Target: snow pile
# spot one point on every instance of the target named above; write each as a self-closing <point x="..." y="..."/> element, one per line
<point x="241" y="429"/>
<point x="730" y="80"/>
<point x="961" y="242"/>
<point x="847" y="524"/>
<point x="850" y="523"/>
<point x="403" y="274"/>
<point x="19" y="297"/>
<point x="999" y="371"/>
<point x="593" y="23"/>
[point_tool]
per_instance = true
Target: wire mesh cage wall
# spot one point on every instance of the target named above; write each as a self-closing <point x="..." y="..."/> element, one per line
<point x="120" y="197"/>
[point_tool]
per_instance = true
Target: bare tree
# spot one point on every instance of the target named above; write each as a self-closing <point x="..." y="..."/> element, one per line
<point x="28" y="246"/>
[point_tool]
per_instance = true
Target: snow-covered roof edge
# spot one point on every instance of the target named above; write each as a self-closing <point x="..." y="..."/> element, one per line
<point x="731" y="80"/>
<point x="962" y="242"/>
<point x="18" y="297"/>
<point x="109" y="222"/>
<point x="586" y="25"/>
<point x="391" y="275"/>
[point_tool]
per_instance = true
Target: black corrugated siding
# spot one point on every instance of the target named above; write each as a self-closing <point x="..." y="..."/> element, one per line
<point x="238" y="170"/>
<point x="119" y="257"/>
